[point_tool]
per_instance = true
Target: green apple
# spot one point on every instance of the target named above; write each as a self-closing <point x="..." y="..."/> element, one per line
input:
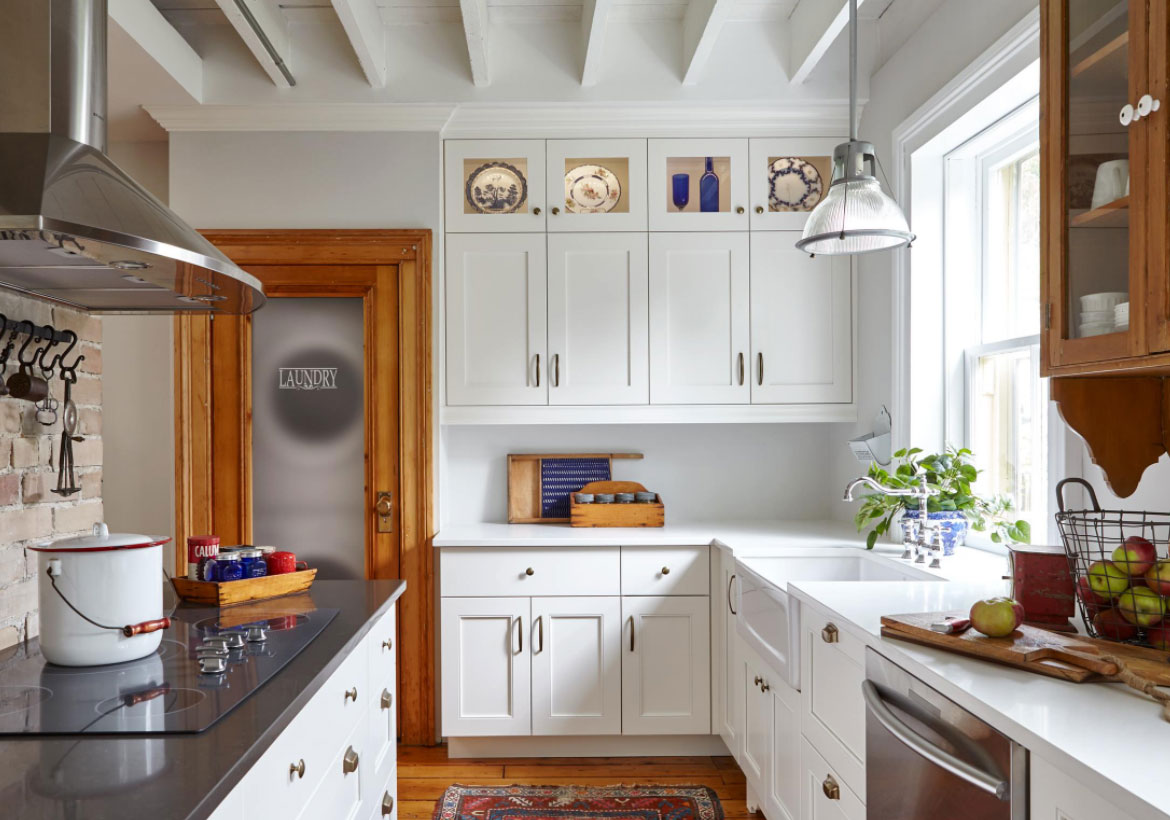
<point x="1107" y="579"/>
<point x="1158" y="578"/>
<point x="997" y="617"/>
<point x="1141" y="606"/>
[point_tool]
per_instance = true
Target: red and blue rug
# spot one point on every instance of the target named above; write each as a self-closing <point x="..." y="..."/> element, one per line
<point x="578" y="803"/>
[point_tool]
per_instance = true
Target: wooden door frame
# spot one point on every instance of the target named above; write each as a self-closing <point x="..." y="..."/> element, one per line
<point x="196" y="438"/>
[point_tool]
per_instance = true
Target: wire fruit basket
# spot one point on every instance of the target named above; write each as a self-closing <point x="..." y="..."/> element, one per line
<point x="1120" y="563"/>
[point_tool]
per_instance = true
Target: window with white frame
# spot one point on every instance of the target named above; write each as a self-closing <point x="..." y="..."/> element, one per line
<point x="997" y="404"/>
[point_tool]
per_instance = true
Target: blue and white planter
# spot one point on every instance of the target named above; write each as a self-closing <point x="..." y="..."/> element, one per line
<point x="954" y="526"/>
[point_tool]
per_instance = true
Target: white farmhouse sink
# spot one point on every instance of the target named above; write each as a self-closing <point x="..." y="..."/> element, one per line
<point x="769" y="620"/>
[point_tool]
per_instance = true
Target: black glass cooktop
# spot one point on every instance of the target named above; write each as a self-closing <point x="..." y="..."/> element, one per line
<point x="162" y="693"/>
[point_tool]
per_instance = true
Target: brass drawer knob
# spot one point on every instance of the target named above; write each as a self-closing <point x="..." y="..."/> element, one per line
<point x="351" y="694"/>
<point x="759" y="209"/>
<point x="666" y="570"/>
<point x="739" y="209"/>
<point x="387" y="804"/>
<point x="536" y="211"/>
<point x="387" y="644"/>
<point x="830" y="634"/>
<point x="297" y="768"/>
<point x="349" y="761"/>
<point x="530" y="571"/>
<point x="556" y="211"/>
<point x="830" y="788"/>
<point x="387" y="699"/>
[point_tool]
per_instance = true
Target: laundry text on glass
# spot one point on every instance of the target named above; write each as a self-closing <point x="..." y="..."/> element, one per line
<point x="308" y="378"/>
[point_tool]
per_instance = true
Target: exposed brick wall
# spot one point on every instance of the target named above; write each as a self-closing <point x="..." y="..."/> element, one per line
<point x="29" y="512"/>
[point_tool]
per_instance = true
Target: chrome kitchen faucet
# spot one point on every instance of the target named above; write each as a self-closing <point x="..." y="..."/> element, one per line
<point x="917" y="536"/>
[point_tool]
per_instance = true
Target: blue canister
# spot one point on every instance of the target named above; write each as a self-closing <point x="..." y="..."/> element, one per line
<point x="253" y="562"/>
<point x="227" y="567"/>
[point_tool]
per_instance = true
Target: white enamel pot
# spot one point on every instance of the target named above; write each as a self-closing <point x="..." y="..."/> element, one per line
<point x="101" y="597"/>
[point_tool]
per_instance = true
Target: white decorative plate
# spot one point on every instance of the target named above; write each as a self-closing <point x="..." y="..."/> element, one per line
<point x="793" y="185"/>
<point x="591" y="189"/>
<point x="496" y="188"/>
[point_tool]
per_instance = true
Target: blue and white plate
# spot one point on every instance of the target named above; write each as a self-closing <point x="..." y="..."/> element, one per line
<point x="496" y="188"/>
<point x="591" y="189"/>
<point x="793" y="185"/>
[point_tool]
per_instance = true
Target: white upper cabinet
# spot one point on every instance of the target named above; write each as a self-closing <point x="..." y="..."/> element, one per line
<point x="698" y="184"/>
<point x="789" y="176"/>
<point x="597" y="319"/>
<point x="496" y="291"/>
<point x="802" y="324"/>
<point x="666" y="670"/>
<point x="699" y="315"/>
<point x="494" y="185"/>
<point x="596" y="185"/>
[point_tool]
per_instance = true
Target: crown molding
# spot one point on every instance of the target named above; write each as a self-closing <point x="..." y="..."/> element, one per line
<point x="529" y="120"/>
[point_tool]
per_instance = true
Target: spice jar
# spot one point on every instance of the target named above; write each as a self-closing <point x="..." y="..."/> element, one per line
<point x="253" y="563"/>
<point x="228" y="567"/>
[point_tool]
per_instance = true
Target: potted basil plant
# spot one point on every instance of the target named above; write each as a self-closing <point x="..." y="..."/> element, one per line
<point x="956" y="507"/>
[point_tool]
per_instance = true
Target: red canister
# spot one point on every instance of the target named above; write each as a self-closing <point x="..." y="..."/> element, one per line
<point x="198" y="547"/>
<point x="282" y="562"/>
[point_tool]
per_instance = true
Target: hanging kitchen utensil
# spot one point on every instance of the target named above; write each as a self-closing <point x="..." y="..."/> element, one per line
<point x="47" y="411"/>
<point x="23" y="384"/>
<point x="66" y="479"/>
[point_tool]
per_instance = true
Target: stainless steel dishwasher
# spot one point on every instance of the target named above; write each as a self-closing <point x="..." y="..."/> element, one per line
<point x="927" y="757"/>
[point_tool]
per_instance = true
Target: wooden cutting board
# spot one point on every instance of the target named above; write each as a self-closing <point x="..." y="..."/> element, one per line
<point x="1069" y="657"/>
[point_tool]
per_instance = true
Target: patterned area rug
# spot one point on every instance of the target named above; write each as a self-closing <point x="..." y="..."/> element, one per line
<point x="578" y="803"/>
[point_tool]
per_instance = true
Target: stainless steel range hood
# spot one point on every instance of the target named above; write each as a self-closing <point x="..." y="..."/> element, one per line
<point x="74" y="229"/>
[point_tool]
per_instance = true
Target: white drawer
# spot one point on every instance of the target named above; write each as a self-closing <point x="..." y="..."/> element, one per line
<point x="383" y="738"/>
<point x="381" y="646"/>
<point x="529" y="571"/>
<point x="833" y="710"/>
<point x="385" y="801"/>
<point x="665" y="571"/>
<point x="824" y="795"/>
<point x="339" y="795"/>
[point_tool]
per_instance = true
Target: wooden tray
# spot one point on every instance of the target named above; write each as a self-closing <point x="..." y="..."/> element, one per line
<point x="526" y="485"/>
<point x="1034" y="650"/>
<point x="230" y="593"/>
<point x="616" y="515"/>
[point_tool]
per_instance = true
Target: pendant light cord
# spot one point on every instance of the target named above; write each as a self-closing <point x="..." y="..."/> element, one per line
<point x="852" y="70"/>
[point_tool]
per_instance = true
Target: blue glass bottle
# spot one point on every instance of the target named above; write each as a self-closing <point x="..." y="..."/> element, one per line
<point x="709" y="188"/>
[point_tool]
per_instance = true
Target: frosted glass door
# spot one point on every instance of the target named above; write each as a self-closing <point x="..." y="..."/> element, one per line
<point x="308" y="432"/>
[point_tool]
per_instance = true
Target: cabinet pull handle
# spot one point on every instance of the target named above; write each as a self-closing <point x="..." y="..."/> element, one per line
<point x="759" y="680"/>
<point x="351" y="694"/>
<point x="540" y="623"/>
<point x="349" y="761"/>
<point x="536" y="211"/>
<point x="730" y="582"/>
<point x="387" y="699"/>
<point x="741" y="368"/>
<point x="830" y="633"/>
<point x="759" y="209"/>
<point x="538" y="370"/>
<point x="387" y="644"/>
<point x="760" y="367"/>
<point x="555" y="211"/>
<point x="530" y="572"/>
<point x="830" y="788"/>
<point x="765" y="686"/>
<point x="520" y="633"/>
<point x="387" y="804"/>
<point x="739" y="209"/>
<point x="556" y="370"/>
<point x="631" y="633"/>
<point x="666" y="570"/>
<point x="297" y="768"/>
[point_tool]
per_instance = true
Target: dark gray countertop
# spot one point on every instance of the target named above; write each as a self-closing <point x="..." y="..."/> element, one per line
<point x="195" y="772"/>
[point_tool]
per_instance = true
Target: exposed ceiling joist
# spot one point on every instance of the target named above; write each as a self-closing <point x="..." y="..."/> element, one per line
<point x="146" y="26"/>
<point x="594" y="18"/>
<point x="812" y="28"/>
<point x="475" y="27"/>
<point x="362" y="22"/>
<point x="265" y="31"/>
<point x="701" y="25"/>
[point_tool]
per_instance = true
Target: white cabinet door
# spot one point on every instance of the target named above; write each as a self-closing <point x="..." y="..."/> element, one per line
<point x="597" y="325"/>
<point x="698" y="184"/>
<point x="340" y="793"/>
<point x="494" y="185"/>
<point x="699" y="314"/>
<point x="802" y="323"/>
<point x="596" y="185"/>
<point x="496" y="291"/>
<point x="729" y="687"/>
<point x="666" y="671"/>
<point x="783" y="796"/>
<point x="1054" y="795"/>
<point x="576" y="666"/>
<point x="832" y="667"/>
<point x="789" y="176"/>
<point x="824" y="796"/>
<point x="486" y="681"/>
<point x="756" y="752"/>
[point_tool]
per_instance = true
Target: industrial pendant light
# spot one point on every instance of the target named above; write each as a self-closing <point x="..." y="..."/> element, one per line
<point x="856" y="216"/>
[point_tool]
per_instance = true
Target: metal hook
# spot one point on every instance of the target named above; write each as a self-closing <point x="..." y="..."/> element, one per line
<point x="69" y="349"/>
<point x="47" y="370"/>
<point x="69" y="373"/>
<point x="27" y="342"/>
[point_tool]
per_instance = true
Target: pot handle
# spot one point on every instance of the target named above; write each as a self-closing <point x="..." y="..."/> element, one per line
<point x="144" y="627"/>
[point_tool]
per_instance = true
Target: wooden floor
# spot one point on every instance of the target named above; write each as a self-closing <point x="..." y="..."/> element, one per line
<point x="423" y="774"/>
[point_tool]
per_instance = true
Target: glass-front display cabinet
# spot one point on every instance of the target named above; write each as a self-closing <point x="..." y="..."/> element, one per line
<point x="495" y="185"/>
<point x="596" y="185"/>
<point x="698" y="184"/>
<point x="789" y="177"/>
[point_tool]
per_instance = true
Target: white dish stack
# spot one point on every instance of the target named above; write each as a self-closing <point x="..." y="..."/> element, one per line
<point x="1103" y="313"/>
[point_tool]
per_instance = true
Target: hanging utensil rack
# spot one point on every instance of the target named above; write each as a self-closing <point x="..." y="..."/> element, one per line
<point x="37" y="332"/>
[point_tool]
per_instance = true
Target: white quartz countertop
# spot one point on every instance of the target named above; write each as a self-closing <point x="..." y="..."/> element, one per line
<point x="1102" y="734"/>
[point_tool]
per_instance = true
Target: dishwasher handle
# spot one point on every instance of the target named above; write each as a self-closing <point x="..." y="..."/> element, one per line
<point x="992" y="783"/>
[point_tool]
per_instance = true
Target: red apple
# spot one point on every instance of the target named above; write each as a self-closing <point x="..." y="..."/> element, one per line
<point x="1109" y="624"/>
<point x="1107" y="579"/>
<point x="1158" y="578"/>
<point x="1141" y="606"/>
<point x="1135" y="556"/>
<point x="1093" y="602"/>
<point x="1159" y="637"/>
<point x="997" y="617"/>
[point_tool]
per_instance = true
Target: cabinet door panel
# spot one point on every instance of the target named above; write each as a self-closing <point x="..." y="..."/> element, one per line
<point x="496" y="292"/>
<point x="576" y="666"/>
<point x="1053" y="795"/>
<point x="597" y="325"/>
<point x="699" y="314"/>
<point x="802" y="324"/>
<point x="697" y="184"/>
<point x="666" y="671"/>
<point x="732" y="681"/>
<point x="486" y="681"/>
<point x="817" y="798"/>
<point x="494" y="185"/>
<point x="596" y="185"/>
<point x="789" y="176"/>
<point x="756" y="758"/>
<point x="340" y="792"/>
<point x="783" y="796"/>
<point x="833" y="708"/>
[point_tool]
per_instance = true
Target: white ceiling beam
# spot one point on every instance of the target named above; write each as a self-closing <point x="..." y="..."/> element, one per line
<point x="363" y="25"/>
<point x="701" y="26"/>
<point x="813" y="26"/>
<point x="263" y="28"/>
<point x="475" y="27"/>
<point x="158" y="38"/>
<point x="594" y="17"/>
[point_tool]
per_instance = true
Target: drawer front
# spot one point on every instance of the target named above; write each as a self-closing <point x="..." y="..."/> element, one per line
<point x="381" y="645"/>
<point x="339" y="795"/>
<point x="529" y="571"/>
<point x="832" y="669"/>
<point x="383" y="743"/>
<point x="824" y="795"/>
<point x="385" y="807"/>
<point x="665" y="570"/>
